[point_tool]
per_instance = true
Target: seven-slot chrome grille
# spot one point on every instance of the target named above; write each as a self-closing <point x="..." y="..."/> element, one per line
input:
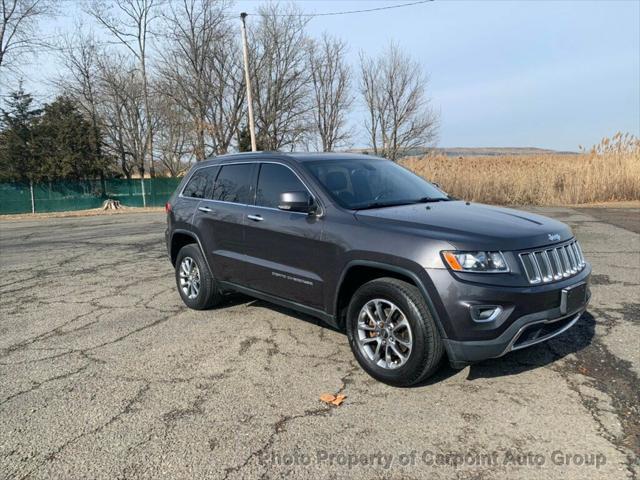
<point x="553" y="263"/>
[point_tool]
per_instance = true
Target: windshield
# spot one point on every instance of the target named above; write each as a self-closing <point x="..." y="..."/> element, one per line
<point x="371" y="183"/>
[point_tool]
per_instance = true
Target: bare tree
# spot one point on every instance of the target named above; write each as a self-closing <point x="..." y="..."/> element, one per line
<point x="228" y="105"/>
<point x="201" y="72"/>
<point x="79" y="53"/>
<point x="123" y="110"/>
<point x="18" y="30"/>
<point x="280" y="77"/>
<point x="129" y="21"/>
<point x="104" y="87"/>
<point x="399" y="116"/>
<point x="331" y="78"/>
<point x="174" y="142"/>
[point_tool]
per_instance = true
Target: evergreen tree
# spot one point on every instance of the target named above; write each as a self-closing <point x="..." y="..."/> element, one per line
<point x="17" y="122"/>
<point x="244" y="140"/>
<point x="66" y="141"/>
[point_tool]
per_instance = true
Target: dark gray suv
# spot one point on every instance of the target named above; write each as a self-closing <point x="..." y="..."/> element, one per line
<point x="410" y="273"/>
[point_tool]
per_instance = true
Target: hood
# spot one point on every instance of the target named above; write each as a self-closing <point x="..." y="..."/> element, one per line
<point x="470" y="226"/>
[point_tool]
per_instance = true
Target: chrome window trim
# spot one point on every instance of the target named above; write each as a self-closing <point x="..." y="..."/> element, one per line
<point x="251" y="162"/>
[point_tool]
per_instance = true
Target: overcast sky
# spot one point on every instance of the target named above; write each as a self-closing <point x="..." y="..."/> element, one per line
<point x="553" y="74"/>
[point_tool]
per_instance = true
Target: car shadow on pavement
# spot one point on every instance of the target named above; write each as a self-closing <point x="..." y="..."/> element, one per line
<point x="573" y="340"/>
<point x="536" y="356"/>
<point x="540" y="355"/>
<point x="232" y="299"/>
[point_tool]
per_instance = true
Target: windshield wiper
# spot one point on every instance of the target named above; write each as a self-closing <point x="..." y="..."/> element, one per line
<point x="404" y="202"/>
<point x="431" y="199"/>
<point x="385" y="204"/>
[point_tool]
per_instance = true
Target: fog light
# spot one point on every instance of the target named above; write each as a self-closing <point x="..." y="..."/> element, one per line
<point x="485" y="313"/>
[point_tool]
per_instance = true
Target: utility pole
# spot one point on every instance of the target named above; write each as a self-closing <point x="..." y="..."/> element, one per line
<point x="247" y="79"/>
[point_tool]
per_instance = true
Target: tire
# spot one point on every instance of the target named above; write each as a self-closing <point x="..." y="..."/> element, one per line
<point x="196" y="285"/>
<point x="405" y="366"/>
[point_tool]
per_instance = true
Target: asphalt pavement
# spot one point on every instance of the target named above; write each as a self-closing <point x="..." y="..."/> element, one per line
<point x="104" y="373"/>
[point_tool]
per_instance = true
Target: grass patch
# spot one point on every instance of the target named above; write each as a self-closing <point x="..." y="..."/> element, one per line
<point x="609" y="172"/>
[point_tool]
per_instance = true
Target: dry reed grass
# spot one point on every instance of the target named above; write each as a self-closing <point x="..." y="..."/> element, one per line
<point x="610" y="171"/>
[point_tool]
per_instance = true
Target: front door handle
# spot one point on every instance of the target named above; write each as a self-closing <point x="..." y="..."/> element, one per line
<point x="204" y="209"/>
<point x="255" y="218"/>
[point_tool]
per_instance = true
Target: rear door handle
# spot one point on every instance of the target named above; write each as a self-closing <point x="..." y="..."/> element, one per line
<point x="204" y="209"/>
<point x="255" y="218"/>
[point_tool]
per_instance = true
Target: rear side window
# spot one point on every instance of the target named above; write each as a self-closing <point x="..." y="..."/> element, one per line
<point x="201" y="183"/>
<point x="234" y="183"/>
<point x="275" y="179"/>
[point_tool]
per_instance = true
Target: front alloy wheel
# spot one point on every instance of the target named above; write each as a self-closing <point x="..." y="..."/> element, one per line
<point x="384" y="334"/>
<point x="392" y="332"/>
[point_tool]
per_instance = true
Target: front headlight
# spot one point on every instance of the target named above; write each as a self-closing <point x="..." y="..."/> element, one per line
<point x="482" y="262"/>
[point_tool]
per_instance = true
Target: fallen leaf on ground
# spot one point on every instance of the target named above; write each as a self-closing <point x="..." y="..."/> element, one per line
<point x="331" y="399"/>
<point x="327" y="397"/>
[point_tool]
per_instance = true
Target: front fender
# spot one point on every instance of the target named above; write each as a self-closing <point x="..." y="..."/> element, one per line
<point x="400" y="266"/>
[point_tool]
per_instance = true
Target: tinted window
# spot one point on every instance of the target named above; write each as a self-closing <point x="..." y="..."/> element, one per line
<point x="366" y="183"/>
<point x="273" y="180"/>
<point x="212" y="173"/>
<point x="233" y="183"/>
<point x="201" y="184"/>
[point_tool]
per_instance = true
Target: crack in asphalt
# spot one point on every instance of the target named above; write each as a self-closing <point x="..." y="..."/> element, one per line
<point x="95" y="284"/>
<point x="38" y="385"/>
<point x="128" y="408"/>
<point x="280" y="425"/>
<point x="5" y="352"/>
<point x="610" y="375"/>
<point x="197" y="405"/>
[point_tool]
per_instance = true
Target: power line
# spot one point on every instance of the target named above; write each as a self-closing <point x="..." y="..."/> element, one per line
<point x="349" y="12"/>
<point x="301" y="14"/>
<point x="322" y="14"/>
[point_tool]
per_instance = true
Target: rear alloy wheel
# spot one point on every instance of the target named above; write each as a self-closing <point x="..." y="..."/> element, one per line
<point x="392" y="333"/>
<point x="189" y="278"/>
<point x="195" y="283"/>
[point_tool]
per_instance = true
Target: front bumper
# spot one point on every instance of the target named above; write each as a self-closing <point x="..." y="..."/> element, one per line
<point x="530" y="315"/>
<point x="522" y="333"/>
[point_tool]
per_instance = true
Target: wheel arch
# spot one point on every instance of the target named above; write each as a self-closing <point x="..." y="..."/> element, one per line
<point x="358" y="272"/>
<point x="180" y="238"/>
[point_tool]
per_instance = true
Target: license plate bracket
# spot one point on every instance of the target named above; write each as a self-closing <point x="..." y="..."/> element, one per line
<point x="573" y="297"/>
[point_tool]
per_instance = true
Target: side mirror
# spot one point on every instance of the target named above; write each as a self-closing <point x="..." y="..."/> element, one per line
<point x="297" y="202"/>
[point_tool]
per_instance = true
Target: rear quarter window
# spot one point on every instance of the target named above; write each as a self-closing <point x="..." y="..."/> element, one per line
<point x="201" y="183"/>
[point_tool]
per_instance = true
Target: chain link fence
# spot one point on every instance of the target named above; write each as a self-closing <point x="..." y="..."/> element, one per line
<point x="65" y="196"/>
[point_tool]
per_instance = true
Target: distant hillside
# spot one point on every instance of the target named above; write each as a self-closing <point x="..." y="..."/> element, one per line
<point x="497" y="151"/>
<point x="476" y="151"/>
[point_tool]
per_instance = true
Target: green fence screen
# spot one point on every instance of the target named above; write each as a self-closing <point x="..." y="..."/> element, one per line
<point x="64" y="196"/>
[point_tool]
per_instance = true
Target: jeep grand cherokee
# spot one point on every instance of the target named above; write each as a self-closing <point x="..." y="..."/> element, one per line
<point x="360" y="242"/>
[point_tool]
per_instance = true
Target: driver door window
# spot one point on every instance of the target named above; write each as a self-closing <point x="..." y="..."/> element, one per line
<point x="273" y="180"/>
